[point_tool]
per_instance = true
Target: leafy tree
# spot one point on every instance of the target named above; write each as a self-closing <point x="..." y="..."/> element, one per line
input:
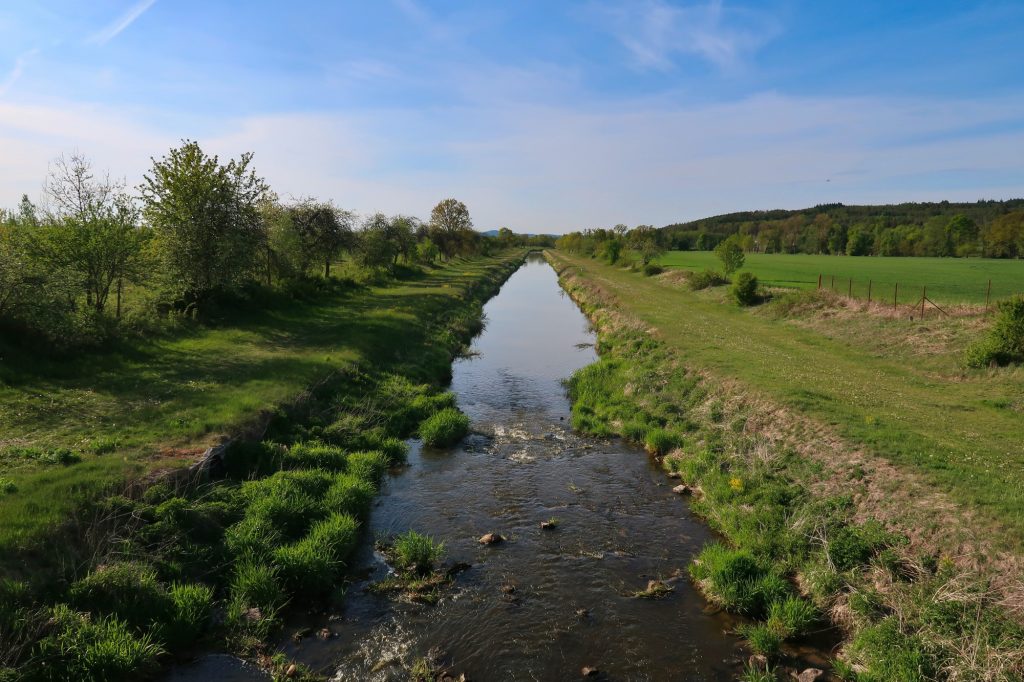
<point x="859" y="243"/>
<point x="375" y="248"/>
<point x="506" y="236"/>
<point x="449" y="225"/>
<point x="322" y="231"/>
<point x="93" y="231"/>
<point x="402" y="234"/>
<point x="646" y="241"/>
<point x="731" y="254"/>
<point x="206" y="219"/>
<point x="1004" y="236"/>
<point x="426" y="251"/>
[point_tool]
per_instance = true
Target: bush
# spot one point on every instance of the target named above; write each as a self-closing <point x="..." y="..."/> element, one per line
<point x="744" y="289"/>
<point x="660" y="442"/>
<point x="416" y="552"/>
<point x="705" y="280"/>
<point x="92" y="650"/>
<point x="651" y="269"/>
<point x="1005" y="341"/>
<point x="368" y="466"/>
<point x="444" y="428"/>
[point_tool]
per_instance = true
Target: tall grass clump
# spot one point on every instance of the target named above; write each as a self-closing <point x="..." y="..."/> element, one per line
<point x="350" y="494"/>
<point x="92" y="649"/>
<point x="255" y="584"/>
<point x="417" y="552"/>
<point x="1004" y="344"/>
<point x="660" y="442"/>
<point x="129" y="590"/>
<point x="315" y="456"/>
<point x="368" y="466"/>
<point x="443" y="428"/>
<point x="737" y="581"/>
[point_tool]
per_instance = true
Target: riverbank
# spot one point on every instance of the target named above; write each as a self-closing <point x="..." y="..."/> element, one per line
<point x="116" y="564"/>
<point x="820" y="525"/>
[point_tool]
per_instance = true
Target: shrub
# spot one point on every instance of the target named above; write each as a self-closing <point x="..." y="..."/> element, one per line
<point x="1005" y="341"/>
<point x="744" y="289"/>
<point x="129" y="590"/>
<point x="660" y="442"/>
<point x="416" y="552"/>
<point x="256" y="584"/>
<point x="349" y="494"/>
<point x="289" y="500"/>
<point x="792" y="617"/>
<point x="443" y="428"/>
<point x="92" y="650"/>
<point x="315" y="456"/>
<point x="651" y="269"/>
<point x="368" y="466"/>
<point x="705" y="280"/>
<point x="763" y="639"/>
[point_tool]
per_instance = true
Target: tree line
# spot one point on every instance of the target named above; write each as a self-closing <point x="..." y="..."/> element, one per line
<point x="993" y="229"/>
<point x="195" y="231"/>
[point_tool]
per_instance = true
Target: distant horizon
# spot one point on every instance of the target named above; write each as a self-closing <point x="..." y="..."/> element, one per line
<point x="545" y="118"/>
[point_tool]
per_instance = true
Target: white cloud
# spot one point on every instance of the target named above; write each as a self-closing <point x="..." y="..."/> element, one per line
<point x="16" y="71"/>
<point x="568" y="166"/>
<point x="656" y="32"/>
<point x="111" y="31"/>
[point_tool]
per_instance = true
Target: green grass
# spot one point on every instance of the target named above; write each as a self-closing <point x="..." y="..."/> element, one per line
<point x="949" y="280"/>
<point x="445" y="427"/>
<point x="156" y="404"/>
<point x="919" y="409"/>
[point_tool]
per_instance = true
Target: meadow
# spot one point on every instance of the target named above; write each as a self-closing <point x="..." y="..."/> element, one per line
<point x="948" y="280"/>
<point x="75" y="427"/>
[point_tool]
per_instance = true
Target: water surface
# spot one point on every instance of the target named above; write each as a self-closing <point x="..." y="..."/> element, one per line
<point x="619" y="526"/>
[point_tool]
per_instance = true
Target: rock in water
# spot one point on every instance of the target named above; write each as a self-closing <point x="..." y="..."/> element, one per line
<point x="809" y="675"/>
<point x="491" y="539"/>
<point x="682" y="490"/>
<point x="587" y="671"/>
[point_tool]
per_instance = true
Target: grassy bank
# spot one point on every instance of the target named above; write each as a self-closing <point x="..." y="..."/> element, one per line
<point x="949" y="280"/>
<point x="125" y="574"/>
<point x="817" y="528"/>
<point x="157" y="404"/>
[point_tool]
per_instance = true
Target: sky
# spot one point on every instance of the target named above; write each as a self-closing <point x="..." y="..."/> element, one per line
<point x="541" y="115"/>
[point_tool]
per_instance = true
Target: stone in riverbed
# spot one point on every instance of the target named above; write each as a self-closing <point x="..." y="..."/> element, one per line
<point x="491" y="539"/>
<point x="587" y="671"/>
<point x="809" y="675"/>
<point x="683" y="490"/>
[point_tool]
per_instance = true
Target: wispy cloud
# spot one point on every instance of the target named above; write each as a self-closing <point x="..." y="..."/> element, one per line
<point x="15" y="73"/>
<point x="112" y="30"/>
<point x="656" y="32"/>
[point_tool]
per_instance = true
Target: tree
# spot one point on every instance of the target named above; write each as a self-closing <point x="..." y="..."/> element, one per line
<point x="645" y="240"/>
<point x="449" y="223"/>
<point x="375" y="249"/>
<point x="93" y="230"/>
<point x="401" y="233"/>
<point x="322" y="230"/>
<point x="506" y="236"/>
<point x="206" y="219"/>
<point x="859" y="242"/>
<point x="731" y="254"/>
<point x="1004" y="236"/>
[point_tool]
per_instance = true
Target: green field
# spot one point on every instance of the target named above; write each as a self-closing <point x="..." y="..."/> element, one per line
<point x="878" y="381"/>
<point x="948" y="280"/>
<point x="157" y="403"/>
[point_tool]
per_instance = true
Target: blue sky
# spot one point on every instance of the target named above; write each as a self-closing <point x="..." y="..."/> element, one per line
<point x="539" y="115"/>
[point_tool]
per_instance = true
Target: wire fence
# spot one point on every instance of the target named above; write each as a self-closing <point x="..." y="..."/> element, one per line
<point x="891" y="294"/>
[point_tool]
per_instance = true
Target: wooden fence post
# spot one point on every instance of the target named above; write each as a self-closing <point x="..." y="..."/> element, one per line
<point x="895" y="293"/>
<point x="924" y="297"/>
<point x="819" y="281"/>
<point x="833" y="282"/>
<point x="869" y="291"/>
<point x="988" y="295"/>
<point x="849" y="291"/>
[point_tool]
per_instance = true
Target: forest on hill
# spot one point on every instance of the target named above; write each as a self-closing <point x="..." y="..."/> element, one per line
<point x="993" y="229"/>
